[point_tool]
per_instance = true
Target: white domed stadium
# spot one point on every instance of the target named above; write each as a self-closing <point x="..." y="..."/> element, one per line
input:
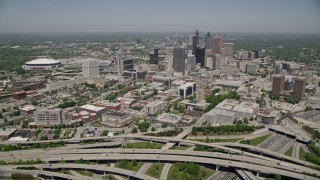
<point x="42" y="64"/>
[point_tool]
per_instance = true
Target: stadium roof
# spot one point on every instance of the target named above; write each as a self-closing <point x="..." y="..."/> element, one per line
<point x="42" y="61"/>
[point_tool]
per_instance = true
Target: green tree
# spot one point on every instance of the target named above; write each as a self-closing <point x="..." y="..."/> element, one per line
<point x="134" y="130"/>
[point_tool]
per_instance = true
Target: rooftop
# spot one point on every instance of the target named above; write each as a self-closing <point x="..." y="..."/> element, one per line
<point x="92" y="107"/>
<point x="42" y="61"/>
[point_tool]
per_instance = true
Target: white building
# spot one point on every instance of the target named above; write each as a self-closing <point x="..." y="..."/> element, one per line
<point x="217" y="62"/>
<point x="42" y="64"/>
<point x="154" y="107"/>
<point x="90" y="68"/>
<point x="48" y="117"/>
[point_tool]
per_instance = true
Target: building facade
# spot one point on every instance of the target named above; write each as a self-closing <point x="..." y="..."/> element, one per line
<point x="90" y="68"/>
<point x="277" y="84"/>
<point x="48" y="117"/>
<point x="299" y="87"/>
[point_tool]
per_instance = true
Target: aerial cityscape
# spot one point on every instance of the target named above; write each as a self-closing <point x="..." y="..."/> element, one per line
<point x="177" y="90"/>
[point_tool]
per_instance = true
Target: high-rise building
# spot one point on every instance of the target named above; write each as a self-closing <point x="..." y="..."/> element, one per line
<point x="251" y="68"/>
<point x="179" y="60"/>
<point x="228" y="49"/>
<point x="200" y="53"/>
<point x="90" y="68"/>
<point x="251" y="55"/>
<point x="208" y="41"/>
<point x="198" y="35"/>
<point x="191" y="60"/>
<point x="277" y="84"/>
<point x="217" y="43"/>
<point x="194" y="44"/>
<point x="216" y="62"/>
<point x="299" y="87"/>
<point x="154" y="57"/>
<point x="256" y="53"/>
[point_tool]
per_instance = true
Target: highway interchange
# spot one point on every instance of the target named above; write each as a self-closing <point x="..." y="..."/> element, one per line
<point x="244" y="162"/>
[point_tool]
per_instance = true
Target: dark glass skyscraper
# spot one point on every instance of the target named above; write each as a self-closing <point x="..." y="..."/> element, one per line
<point x="200" y="54"/>
<point x="154" y="57"/>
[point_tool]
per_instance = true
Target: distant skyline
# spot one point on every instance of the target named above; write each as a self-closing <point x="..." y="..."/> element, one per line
<point x="293" y="16"/>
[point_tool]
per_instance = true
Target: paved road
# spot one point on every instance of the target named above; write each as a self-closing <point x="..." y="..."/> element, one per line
<point x="165" y="171"/>
<point x="145" y="168"/>
<point x="289" y="170"/>
<point x="296" y="149"/>
<point x="10" y="170"/>
<point x="222" y="175"/>
<point x="223" y="146"/>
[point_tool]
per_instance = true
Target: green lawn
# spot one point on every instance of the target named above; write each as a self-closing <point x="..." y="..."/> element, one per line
<point x="259" y="140"/>
<point x="132" y="165"/>
<point x="255" y="141"/>
<point x="289" y="151"/>
<point x="218" y="140"/>
<point x="143" y="145"/>
<point x="302" y="154"/>
<point x="175" y="173"/>
<point x="85" y="173"/>
<point x="180" y="147"/>
<point x="155" y="170"/>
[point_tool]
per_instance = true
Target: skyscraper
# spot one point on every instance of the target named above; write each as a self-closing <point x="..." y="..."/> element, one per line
<point x="194" y="44"/>
<point x="198" y="35"/>
<point x="216" y="62"/>
<point x="288" y="84"/>
<point x="208" y="41"/>
<point x="200" y="53"/>
<point x="154" y="57"/>
<point x="90" y="68"/>
<point x="179" y="60"/>
<point x="217" y="43"/>
<point x="191" y="60"/>
<point x="299" y="87"/>
<point x="277" y="84"/>
<point x="228" y="49"/>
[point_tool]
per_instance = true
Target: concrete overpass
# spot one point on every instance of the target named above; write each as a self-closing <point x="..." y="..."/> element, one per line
<point x="290" y="170"/>
<point x="170" y="139"/>
<point x="11" y="170"/>
<point x="45" y="154"/>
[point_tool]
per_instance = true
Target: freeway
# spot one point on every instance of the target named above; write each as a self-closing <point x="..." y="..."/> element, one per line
<point x="10" y="170"/>
<point x="102" y="168"/>
<point x="222" y="175"/>
<point x="223" y="146"/>
<point x="268" y="167"/>
<point x="247" y="175"/>
<point x="42" y="154"/>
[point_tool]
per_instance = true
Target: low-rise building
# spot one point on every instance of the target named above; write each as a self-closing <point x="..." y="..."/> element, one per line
<point x="93" y="109"/>
<point x="34" y="97"/>
<point x="7" y="133"/>
<point x="154" y="107"/>
<point x="267" y="116"/>
<point x="168" y="118"/>
<point x="116" y="119"/>
<point x="27" y="110"/>
<point x="48" y="117"/>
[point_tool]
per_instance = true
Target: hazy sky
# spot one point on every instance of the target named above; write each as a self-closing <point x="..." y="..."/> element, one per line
<point x="160" y="15"/>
